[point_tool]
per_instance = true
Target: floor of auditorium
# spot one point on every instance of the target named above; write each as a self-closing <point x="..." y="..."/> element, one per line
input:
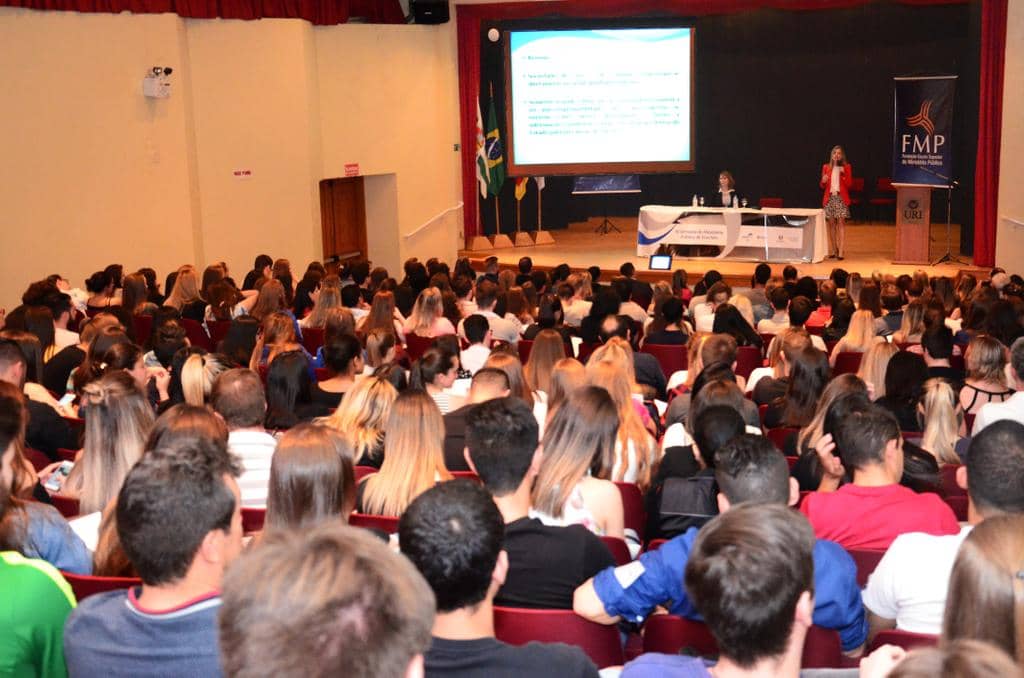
<point x="870" y="247"/>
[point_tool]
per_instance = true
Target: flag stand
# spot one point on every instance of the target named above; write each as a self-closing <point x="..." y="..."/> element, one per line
<point x="541" y="237"/>
<point x="500" y="239"/>
<point x="522" y="239"/>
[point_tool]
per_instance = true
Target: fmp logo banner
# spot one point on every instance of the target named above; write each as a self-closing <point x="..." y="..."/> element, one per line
<point x="923" y="130"/>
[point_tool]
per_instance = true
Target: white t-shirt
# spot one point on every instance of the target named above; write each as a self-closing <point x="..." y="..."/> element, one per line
<point x="575" y="311"/>
<point x="255" y="449"/>
<point x="1012" y="408"/>
<point x="474" y="357"/>
<point x="910" y="582"/>
<point x="63" y="338"/>
<point x="837" y="171"/>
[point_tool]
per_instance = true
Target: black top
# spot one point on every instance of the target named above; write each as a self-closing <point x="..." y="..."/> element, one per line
<point x="58" y="369"/>
<point x="953" y="376"/>
<point x="546" y="564"/>
<point x="687" y="502"/>
<point x="250" y="279"/>
<point x="590" y="329"/>
<point x="774" y="412"/>
<point x="768" y="389"/>
<point x="455" y="439"/>
<point x="328" y="399"/>
<point x="194" y="310"/>
<point x="531" y="332"/>
<point x="905" y="413"/>
<point x="491" y="658"/>
<point x="666" y="338"/>
<point x="718" y="199"/>
<point x="48" y="431"/>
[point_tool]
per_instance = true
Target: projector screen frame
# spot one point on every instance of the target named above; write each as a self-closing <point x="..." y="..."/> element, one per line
<point x="581" y="168"/>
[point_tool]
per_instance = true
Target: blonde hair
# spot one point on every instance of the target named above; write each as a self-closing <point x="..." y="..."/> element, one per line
<point x="787" y="342"/>
<point x="513" y="369"/>
<point x="413" y="456"/>
<point x="942" y="421"/>
<point x="579" y="438"/>
<point x="548" y="349"/>
<point x="186" y="287"/>
<point x="912" y="323"/>
<point x="428" y="308"/>
<point x="567" y="375"/>
<point x="693" y="360"/>
<point x="610" y="376"/>
<point x="874" y="363"/>
<point x="329" y="299"/>
<point x="197" y="377"/>
<point x="118" y="421"/>
<point x="362" y="414"/>
<point x="861" y="333"/>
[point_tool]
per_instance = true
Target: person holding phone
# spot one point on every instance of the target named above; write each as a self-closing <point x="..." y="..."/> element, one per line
<point x="836" y="177"/>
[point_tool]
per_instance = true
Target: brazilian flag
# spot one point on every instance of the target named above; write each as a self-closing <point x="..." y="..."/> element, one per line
<point x="495" y="157"/>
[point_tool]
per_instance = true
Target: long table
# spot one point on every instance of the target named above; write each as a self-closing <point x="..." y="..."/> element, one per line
<point x="742" y="234"/>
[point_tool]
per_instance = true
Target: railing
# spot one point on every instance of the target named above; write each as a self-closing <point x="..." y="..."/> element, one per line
<point x="440" y="236"/>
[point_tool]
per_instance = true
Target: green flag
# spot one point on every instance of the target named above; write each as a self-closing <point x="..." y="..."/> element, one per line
<point x="495" y="158"/>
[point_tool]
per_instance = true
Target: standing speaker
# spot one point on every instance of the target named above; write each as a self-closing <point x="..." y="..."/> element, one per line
<point x="429" y="11"/>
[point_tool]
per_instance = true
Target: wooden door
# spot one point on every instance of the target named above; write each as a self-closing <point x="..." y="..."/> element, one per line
<point x="343" y="217"/>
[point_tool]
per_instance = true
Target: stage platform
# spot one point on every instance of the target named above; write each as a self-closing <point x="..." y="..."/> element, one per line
<point x="869" y="247"/>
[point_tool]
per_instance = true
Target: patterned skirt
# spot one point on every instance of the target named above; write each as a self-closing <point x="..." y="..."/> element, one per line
<point x="836" y="208"/>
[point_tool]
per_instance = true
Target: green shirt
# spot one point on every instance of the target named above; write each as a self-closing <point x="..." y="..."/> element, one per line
<point x="34" y="602"/>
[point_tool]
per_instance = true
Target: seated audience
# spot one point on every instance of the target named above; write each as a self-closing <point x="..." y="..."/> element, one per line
<point x="311" y="479"/>
<point x="750" y="470"/>
<point x="427" y="317"/>
<point x="704" y="313"/>
<point x="728" y="320"/>
<point x="185" y="487"/>
<point x="937" y="343"/>
<point x="907" y="590"/>
<point x="667" y="329"/>
<point x="434" y="373"/>
<point x="646" y="369"/>
<point x="874" y="509"/>
<point x="361" y="418"/>
<point x="842" y="316"/>
<point x="28" y="527"/>
<point x="454" y="534"/>
<point x="331" y="601"/>
<point x="118" y="420"/>
<point x="800" y="309"/>
<point x="781" y="354"/>
<point x="858" y="338"/>
<point x="1012" y="407"/>
<point x="548" y="349"/>
<point x="488" y="383"/>
<point x="197" y="376"/>
<point x="567" y="375"/>
<point x="45" y="430"/>
<point x="985" y="381"/>
<point x="343" y="356"/>
<point x="904" y="383"/>
<point x="957" y="659"/>
<point x="290" y="392"/>
<point x="581" y="437"/>
<point x="238" y="398"/>
<point x="809" y="373"/>
<point x="941" y="420"/>
<point x="413" y="457"/>
<point x="873" y="366"/>
<point x="911" y="324"/>
<point x="486" y="299"/>
<point x="545" y="563"/>
<point x="779" y="298"/>
<point x="478" y="334"/>
<point x="758" y="607"/>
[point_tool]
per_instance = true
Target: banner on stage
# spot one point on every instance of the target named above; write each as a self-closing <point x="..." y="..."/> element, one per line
<point x="699" y="234"/>
<point x="776" y="236"/>
<point x="922" y="151"/>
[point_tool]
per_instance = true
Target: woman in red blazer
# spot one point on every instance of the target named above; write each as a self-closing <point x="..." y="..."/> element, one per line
<point x="836" y="177"/>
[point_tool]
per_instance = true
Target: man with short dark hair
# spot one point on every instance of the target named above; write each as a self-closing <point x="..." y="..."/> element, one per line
<point x="478" y="334"/>
<point x="748" y="470"/>
<point x="874" y="509"/>
<point x="751" y="574"/>
<point x="627" y="306"/>
<point x="1013" y="407"/>
<point x="331" y="601"/>
<point x="800" y="309"/>
<point x="261" y="268"/>
<point x="908" y="588"/>
<point x="546" y="563"/>
<point x="453" y="534"/>
<point x="463" y="288"/>
<point x="352" y="299"/>
<point x="487" y="384"/>
<point x="525" y="268"/>
<point x="237" y="396"/>
<point x="937" y="345"/>
<point x="756" y="294"/>
<point x="789" y="278"/>
<point x="180" y="524"/>
<point x="828" y="297"/>
<point x="486" y="298"/>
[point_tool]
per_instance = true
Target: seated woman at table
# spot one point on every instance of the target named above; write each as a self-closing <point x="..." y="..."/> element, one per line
<point x="726" y="192"/>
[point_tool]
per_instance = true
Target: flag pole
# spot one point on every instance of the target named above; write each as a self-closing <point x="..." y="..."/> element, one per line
<point x="500" y="239"/>
<point x="541" y="237"/>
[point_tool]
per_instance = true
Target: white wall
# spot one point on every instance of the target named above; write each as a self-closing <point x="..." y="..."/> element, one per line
<point x="1010" y="237"/>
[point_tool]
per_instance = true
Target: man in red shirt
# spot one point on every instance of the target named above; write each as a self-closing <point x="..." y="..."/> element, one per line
<point x="874" y="509"/>
<point x="821" y="315"/>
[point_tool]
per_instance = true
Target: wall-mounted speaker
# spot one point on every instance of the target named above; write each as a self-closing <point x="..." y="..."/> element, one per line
<point x="429" y="11"/>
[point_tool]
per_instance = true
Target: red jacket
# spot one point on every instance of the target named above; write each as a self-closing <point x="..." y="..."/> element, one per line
<point x="845" y="179"/>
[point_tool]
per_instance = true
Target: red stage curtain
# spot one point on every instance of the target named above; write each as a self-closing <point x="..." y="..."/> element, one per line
<point x="993" y="47"/>
<point x="319" y="12"/>
<point x="990" y="127"/>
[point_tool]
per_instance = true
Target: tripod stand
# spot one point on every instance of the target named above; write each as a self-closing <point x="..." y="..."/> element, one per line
<point x="606" y="226"/>
<point x="949" y="257"/>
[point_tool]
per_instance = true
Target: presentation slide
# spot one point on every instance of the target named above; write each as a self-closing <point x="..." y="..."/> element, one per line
<point x="600" y="96"/>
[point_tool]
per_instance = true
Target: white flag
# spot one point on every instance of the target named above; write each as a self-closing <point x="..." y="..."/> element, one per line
<point x="540" y="183"/>
<point x="483" y="172"/>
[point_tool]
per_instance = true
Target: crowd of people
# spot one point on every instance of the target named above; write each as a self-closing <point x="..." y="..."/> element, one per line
<point x="521" y="439"/>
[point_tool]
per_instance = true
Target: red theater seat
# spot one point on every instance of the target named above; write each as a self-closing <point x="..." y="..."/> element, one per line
<point x="520" y="626"/>
<point x="86" y="585"/>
